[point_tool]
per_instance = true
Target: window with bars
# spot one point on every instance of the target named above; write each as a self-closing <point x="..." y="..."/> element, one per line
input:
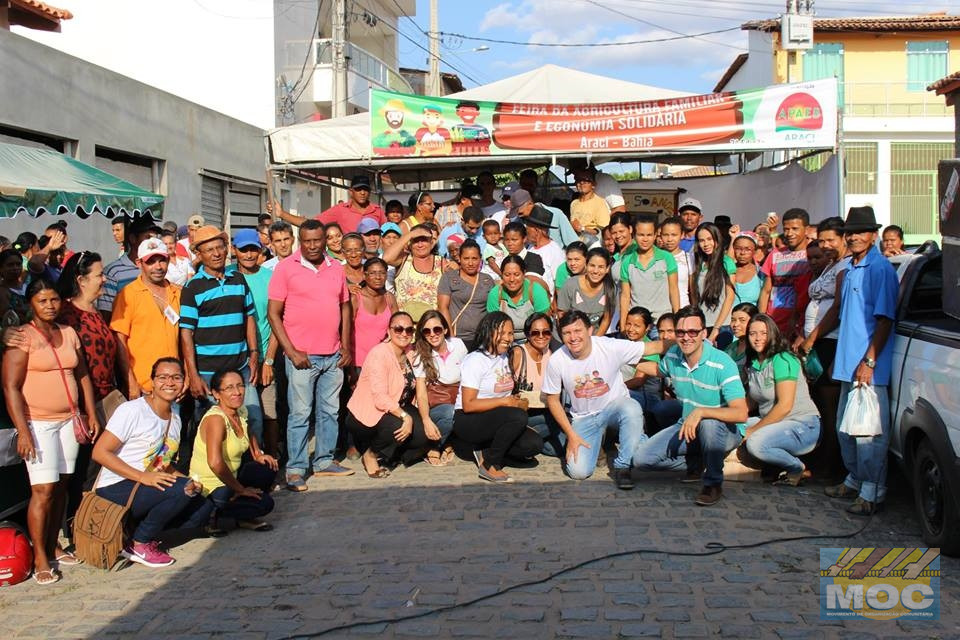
<point x="913" y="184"/>
<point x="860" y="167"/>
<point x="926" y="63"/>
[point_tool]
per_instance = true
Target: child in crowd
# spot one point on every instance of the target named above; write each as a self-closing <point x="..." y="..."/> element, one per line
<point x="494" y="252"/>
<point x="740" y="317"/>
<point x="660" y="412"/>
<point x="394" y="211"/>
<point x="575" y="264"/>
<point x="671" y="231"/>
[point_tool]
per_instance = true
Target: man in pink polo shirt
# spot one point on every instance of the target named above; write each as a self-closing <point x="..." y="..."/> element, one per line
<point x="303" y="289"/>
<point x="347" y="214"/>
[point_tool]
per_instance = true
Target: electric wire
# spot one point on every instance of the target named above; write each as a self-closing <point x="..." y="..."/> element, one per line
<point x="711" y="549"/>
<point x="592" y="44"/>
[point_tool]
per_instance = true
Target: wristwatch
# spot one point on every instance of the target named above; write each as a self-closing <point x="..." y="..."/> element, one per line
<point x="268" y="362"/>
<point x="403" y="415"/>
<point x="870" y="362"/>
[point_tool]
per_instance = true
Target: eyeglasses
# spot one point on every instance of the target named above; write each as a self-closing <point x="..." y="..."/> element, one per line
<point x="539" y="333"/>
<point x="688" y="333"/>
<point x="233" y="388"/>
<point x="178" y="379"/>
<point x="352" y="251"/>
<point x="403" y="330"/>
<point x="436" y="331"/>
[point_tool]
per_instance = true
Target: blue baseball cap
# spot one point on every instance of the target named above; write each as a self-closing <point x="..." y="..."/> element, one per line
<point x="368" y="225"/>
<point x="247" y="238"/>
<point x="390" y="227"/>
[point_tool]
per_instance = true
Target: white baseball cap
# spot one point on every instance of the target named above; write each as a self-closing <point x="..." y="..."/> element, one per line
<point x="151" y="247"/>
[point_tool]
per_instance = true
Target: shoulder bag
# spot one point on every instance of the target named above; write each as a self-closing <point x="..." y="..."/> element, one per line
<point x="100" y="526"/>
<point x="80" y="430"/>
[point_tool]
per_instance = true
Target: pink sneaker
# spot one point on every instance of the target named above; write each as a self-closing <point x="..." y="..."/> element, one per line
<point x="147" y="554"/>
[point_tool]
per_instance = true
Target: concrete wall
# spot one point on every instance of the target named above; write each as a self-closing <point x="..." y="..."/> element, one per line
<point x="51" y="93"/>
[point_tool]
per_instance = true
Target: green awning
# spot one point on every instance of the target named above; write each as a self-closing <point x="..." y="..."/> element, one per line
<point x="38" y="181"/>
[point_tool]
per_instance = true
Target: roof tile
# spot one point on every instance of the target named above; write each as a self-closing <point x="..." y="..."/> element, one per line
<point x="929" y="22"/>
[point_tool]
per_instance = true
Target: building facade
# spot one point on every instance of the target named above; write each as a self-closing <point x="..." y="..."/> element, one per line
<point x="893" y="131"/>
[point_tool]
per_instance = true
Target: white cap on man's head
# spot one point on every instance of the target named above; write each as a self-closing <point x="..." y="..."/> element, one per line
<point x="690" y="203"/>
<point x="151" y="247"/>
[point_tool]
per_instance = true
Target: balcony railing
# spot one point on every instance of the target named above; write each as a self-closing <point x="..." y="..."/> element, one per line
<point x="363" y="63"/>
<point x="890" y="99"/>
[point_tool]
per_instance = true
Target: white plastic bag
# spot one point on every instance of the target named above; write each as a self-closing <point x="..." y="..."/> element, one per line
<point x="861" y="418"/>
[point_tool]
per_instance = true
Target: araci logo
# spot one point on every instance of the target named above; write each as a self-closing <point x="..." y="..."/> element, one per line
<point x="799" y="111"/>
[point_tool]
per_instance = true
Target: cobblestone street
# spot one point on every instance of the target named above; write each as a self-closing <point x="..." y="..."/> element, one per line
<point x="357" y="549"/>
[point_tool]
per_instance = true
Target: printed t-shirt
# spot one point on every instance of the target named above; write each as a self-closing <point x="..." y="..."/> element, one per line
<point x="150" y="334"/>
<point x="713" y="382"/>
<point x="448" y="367"/>
<point x="595" y="381"/>
<point x="762" y="378"/>
<point x="572" y="296"/>
<point x="140" y="432"/>
<point x="489" y="375"/>
<point x="790" y="274"/>
<point x="312" y="296"/>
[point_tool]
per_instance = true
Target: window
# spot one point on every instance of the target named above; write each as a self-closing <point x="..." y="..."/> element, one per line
<point x="825" y="60"/>
<point x="860" y="167"/>
<point x="913" y="184"/>
<point x="140" y="170"/>
<point x="926" y="63"/>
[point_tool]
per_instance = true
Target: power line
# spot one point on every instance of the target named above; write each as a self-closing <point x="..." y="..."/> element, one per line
<point x="310" y="52"/>
<point x="682" y="36"/>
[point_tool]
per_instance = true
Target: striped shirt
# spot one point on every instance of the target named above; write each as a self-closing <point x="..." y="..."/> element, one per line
<point x="216" y="312"/>
<point x="712" y="383"/>
<point x="119" y="274"/>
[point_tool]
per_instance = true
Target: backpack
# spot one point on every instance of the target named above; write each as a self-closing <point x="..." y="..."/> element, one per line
<point x="16" y="554"/>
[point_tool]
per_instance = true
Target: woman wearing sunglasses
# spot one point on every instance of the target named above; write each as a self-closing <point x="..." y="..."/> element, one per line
<point x="437" y="357"/>
<point x="385" y="425"/>
<point x="528" y="361"/>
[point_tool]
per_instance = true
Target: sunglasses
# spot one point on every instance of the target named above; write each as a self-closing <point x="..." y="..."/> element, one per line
<point x="435" y="331"/>
<point x="403" y="330"/>
<point x="539" y="333"/>
<point x="688" y="333"/>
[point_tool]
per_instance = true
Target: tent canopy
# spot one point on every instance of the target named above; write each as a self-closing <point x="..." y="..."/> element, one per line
<point x="341" y="145"/>
<point x="38" y="181"/>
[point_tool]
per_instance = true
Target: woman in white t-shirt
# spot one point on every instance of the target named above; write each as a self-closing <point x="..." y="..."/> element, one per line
<point x="488" y="415"/>
<point x="137" y="448"/>
<point x="437" y="358"/>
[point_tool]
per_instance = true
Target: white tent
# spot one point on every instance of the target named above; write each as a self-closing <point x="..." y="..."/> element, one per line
<point x="345" y="142"/>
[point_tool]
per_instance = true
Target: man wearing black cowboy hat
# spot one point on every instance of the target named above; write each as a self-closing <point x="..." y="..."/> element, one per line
<point x="538" y="237"/>
<point x="347" y="214"/>
<point x="867" y="301"/>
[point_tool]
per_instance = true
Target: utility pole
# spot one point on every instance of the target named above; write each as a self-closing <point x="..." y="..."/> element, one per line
<point x="433" y="78"/>
<point x="338" y="107"/>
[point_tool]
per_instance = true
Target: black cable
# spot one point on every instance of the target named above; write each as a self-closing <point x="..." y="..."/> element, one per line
<point x="589" y="44"/>
<point x="713" y="548"/>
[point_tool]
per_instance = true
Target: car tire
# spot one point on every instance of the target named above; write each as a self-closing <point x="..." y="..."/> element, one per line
<point x="933" y="497"/>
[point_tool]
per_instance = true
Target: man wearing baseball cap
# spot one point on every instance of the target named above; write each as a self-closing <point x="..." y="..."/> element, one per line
<point x="145" y="331"/>
<point x="691" y="215"/>
<point x="347" y="214"/>
<point x="124" y="269"/>
<point x="370" y="231"/>
<point x="194" y="222"/>
<point x="561" y="231"/>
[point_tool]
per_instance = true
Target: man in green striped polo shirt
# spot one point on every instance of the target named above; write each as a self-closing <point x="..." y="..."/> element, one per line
<point x="707" y="382"/>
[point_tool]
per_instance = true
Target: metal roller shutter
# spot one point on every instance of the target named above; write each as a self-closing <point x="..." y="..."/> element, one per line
<point x="211" y="201"/>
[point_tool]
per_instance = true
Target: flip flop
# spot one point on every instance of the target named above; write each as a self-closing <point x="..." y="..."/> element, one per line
<point x="435" y="460"/>
<point x="380" y="472"/>
<point x="48" y="576"/>
<point x="254" y="525"/>
<point x="67" y="559"/>
<point x="447" y="457"/>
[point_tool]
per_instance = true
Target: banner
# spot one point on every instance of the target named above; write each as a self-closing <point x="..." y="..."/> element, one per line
<point x="788" y="116"/>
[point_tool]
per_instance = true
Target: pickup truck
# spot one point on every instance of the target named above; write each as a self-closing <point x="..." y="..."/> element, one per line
<point x="925" y="408"/>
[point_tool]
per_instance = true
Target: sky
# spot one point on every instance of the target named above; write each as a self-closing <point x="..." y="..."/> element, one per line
<point x="219" y="52"/>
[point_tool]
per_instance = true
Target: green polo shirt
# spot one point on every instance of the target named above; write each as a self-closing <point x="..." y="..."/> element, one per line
<point x="763" y="377"/>
<point x="649" y="286"/>
<point x="712" y="383"/>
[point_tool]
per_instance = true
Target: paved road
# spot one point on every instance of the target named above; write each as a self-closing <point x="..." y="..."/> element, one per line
<point x="356" y="549"/>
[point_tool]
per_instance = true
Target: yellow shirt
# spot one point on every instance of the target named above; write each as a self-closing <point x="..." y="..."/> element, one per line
<point x="233" y="449"/>
<point x="150" y="334"/>
<point x="593" y="213"/>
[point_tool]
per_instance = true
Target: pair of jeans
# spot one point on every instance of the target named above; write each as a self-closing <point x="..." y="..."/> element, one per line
<point x="554" y="439"/>
<point x="780" y="443"/>
<point x="251" y="474"/>
<point x="866" y="458"/>
<point x="498" y="433"/>
<point x="666" y="451"/>
<point x="314" y="389"/>
<point x="380" y="439"/>
<point x="154" y="509"/>
<point x="442" y="416"/>
<point x="623" y="414"/>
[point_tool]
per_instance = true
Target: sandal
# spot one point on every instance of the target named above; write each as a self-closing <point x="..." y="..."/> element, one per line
<point x="47" y="576"/>
<point x="379" y="472"/>
<point x="68" y="559"/>
<point x="254" y="525"/>
<point x="447" y="456"/>
<point x="434" y="458"/>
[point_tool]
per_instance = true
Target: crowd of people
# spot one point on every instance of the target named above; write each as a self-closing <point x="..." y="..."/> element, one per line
<point x="191" y="370"/>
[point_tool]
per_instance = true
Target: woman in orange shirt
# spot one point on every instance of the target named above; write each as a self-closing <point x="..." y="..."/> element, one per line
<point x="40" y="384"/>
<point x="384" y="423"/>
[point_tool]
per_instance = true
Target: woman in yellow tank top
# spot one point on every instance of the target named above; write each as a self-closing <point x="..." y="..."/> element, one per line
<point x="239" y="491"/>
<point x="418" y="272"/>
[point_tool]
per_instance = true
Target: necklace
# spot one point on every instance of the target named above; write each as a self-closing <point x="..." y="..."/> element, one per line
<point x="235" y="426"/>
